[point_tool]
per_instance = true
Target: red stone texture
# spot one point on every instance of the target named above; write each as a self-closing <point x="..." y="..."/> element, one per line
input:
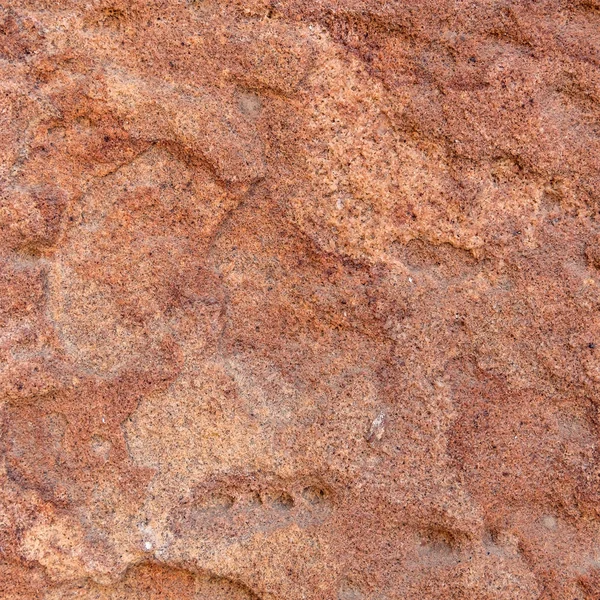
<point x="299" y="300"/>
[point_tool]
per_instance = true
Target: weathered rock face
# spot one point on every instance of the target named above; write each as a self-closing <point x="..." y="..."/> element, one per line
<point x="299" y="300"/>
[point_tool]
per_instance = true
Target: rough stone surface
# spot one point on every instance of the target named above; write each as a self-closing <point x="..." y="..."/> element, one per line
<point x="299" y="300"/>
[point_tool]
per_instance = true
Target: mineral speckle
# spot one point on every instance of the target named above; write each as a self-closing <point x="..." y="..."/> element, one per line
<point x="299" y="300"/>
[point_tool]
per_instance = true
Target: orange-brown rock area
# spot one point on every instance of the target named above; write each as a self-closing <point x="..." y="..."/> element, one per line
<point x="299" y="300"/>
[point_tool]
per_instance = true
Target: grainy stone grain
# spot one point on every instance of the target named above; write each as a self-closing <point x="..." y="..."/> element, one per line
<point x="299" y="300"/>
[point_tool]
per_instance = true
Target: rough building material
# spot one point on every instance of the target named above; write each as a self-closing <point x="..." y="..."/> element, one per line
<point x="299" y="300"/>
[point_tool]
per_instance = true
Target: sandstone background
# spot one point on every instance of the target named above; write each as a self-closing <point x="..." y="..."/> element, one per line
<point x="299" y="299"/>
